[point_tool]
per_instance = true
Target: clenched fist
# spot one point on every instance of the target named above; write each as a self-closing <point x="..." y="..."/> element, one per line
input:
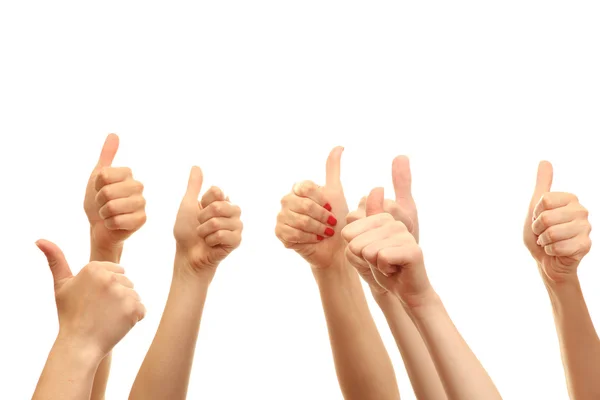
<point x="312" y="216"/>
<point x="97" y="307"/>
<point x="390" y="250"/>
<point x="206" y="231"/>
<point x="114" y="201"/>
<point x="557" y="230"/>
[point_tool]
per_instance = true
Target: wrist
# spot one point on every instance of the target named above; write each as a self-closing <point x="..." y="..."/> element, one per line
<point x="558" y="289"/>
<point x="424" y="305"/>
<point x="105" y="252"/>
<point x="184" y="270"/>
<point x="78" y="353"/>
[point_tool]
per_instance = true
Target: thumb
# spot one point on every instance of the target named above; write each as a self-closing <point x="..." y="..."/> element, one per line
<point x="402" y="178"/>
<point x="375" y="202"/>
<point x="109" y="151"/>
<point x="543" y="183"/>
<point x="56" y="260"/>
<point x="334" y="161"/>
<point x="194" y="183"/>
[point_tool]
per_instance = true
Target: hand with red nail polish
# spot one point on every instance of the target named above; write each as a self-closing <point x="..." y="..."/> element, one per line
<point x="557" y="230"/>
<point x="390" y="250"/>
<point x="310" y="216"/>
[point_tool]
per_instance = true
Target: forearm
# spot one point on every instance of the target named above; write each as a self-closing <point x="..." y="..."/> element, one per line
<point x="68" y="373"/>
<point x="461" y="373"/>
<point x="420" y="367"/>
<point x="165" y="372"/>
<point x="579" y="343"/>
<point x="362" y="363"/>
<point x="103" y="372"/>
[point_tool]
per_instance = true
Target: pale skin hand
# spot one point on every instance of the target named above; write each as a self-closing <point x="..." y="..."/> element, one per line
<point x="557" y="234"/>
<point x="419" y="365"/>
<point x="96" y="309"/>
<point x="115" y="208"/>
<point x="310" y="222"/>
<point x="206" y="232"/>
<point x="396" y="261"/>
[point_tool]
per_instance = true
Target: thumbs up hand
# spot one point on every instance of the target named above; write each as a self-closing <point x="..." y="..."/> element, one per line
<point x="96" y="308"/>
<point x="206" y="231"/>
<point x="114" y="203"/>
<point x="557" y="230"/>
<point x="312" y="216"/>
<point x="390" y="250"/>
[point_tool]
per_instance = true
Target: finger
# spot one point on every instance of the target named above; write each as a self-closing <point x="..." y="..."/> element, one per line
<point x="304" y="223"/>
<point x="358" y="244"/>
<point x="550" y="201"/>
<point x="392" y="259"/>
<point x="122" y="206"/>
<point x="194" y="183"/>
<point x="402" y="178"/>
<point x="370" y="251"/>
<point x="395" y="210"/>
<point x="557" y="216"/>
<point x="109" y="151"/>
<point x="219" y="224"/>
<point x="577" y="246"/>
<point x="141" y="311"/>
<point x="356" y="261"/>
<point x="56" y="260"/>
<point x="312" y="191"/>
<point x="291" y="236"/>
<point x="109" y="175"/>
<point x="355" y="216"/>
<point x="213" y="194"/>
<point x="218" y="209"/>
<point x="118" y="190"/>
<point x="133" y="294"/>
<point x="127" y="222"/>
<point x="559" y="232"/>
<point x="111" y="267"/>
<point x="306" y="206"/>
<point x="366" y="224"/>
<point x="374" y="203"/>
<point x="224" y="238"/>
<point x="333" y="170"/>
<point x="124" y="281"/>
<point x="543" y="184"/>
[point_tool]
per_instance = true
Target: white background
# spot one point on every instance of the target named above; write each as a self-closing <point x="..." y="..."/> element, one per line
<point x="257" y="93"/>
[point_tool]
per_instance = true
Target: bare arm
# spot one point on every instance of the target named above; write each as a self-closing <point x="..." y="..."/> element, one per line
<point x="362" y="363"/>
<point x="420" y="367"/>
<point x="165" y="372"/>
<point x="579" y="343"/>
<point x="462" y="375"/>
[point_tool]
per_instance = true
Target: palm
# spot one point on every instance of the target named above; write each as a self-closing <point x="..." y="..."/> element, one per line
<point x="186" y="236"/>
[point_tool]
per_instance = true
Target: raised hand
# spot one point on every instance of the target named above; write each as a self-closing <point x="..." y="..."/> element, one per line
<point x="403" y="209"/>
<point x="312" y="216"/>
<point x="114" y="201"/>
<point x="390" y="250"/>
<point x="557" y="230"/>
<point x="96" y="308"/>
<point x="206" y="231"/>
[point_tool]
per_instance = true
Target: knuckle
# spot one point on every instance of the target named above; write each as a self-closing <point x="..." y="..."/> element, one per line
<point x="213" y="224"/>
<point x="547" y="200"/>
<point x="104" y="175"/>
<point x="139" y="186"/>
<point x="217" y="208"/>
<point x="544" y="219"/>
<point x="106" y="193"/>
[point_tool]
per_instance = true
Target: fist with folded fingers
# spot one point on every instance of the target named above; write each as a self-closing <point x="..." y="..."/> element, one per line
<point x="206" y="231"/>
<point x="97" y="307"/>
<point x="114" y="201"/>
<point x="557" y="229"/>
<point x="390" y="250"/>
<point x="309" y="220"/>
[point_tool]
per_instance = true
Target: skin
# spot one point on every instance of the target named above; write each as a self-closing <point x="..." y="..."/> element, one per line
<point x="362" y="363"/>
<point x="419" y="365"/>
<point x="96" y="309"/>
<point x="396" y="263"/>
<point x="206" y="232"/>
<point x="115" y="208"/>
<point x="557" y="234"/>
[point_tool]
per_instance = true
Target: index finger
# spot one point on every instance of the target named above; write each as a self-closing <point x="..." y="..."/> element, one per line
<point x="110" y="175"/>
<point x="311" y="190"/>
<point x="552" y="200"/>
<point x="213" y="194"/>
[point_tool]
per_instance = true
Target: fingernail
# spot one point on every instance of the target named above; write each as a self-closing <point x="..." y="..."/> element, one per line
<point x="319" y="237"/>
<point x="327" y="207"/>
<point x="329" y="232"/>
<point x="331" y="220"/>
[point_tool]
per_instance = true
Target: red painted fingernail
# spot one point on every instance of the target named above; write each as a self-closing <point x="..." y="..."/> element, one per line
<point x="327" y="207"/>
<point x="329" y="232"/>
<point x="331" y="220"/>
<point x="319" y="237"/>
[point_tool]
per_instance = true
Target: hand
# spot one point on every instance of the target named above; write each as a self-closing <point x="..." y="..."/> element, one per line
<point x="114" y="203"/>
<point x="557" y="230"/>
<point x="97" y="307"/>
<point x="391" y="251"/>
<point x="206" y="231"/>
<point x="403" y="209"/>
<point x="310" y="215"/>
